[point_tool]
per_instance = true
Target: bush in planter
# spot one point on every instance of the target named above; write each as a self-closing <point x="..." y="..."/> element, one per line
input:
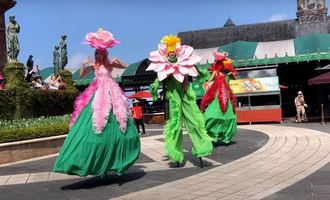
<point x="24" y="129"/>
<point x="7" y="104"/>
<point x="28" y="103"/>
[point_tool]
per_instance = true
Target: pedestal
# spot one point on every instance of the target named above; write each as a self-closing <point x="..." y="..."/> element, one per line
<point x="4" y="6"/>
<point x="14" y="72"/>
<point x="66" y="75"/>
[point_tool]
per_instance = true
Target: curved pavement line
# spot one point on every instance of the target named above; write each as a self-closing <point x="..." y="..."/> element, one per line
<point x="150" y="146"/>
<point x="290" y="155"/>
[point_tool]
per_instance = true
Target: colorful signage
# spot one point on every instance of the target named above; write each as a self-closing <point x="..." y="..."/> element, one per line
<point x="247" y="85"/>
<point x="252" y="85"/>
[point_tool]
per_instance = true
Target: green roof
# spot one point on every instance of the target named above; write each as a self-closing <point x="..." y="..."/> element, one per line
<point x="312" y="43"/>
<point x="131" y="69"/>
<point x="240" y="50"/>
<point x="306" y="48"/>
<point x="46" y="72"/>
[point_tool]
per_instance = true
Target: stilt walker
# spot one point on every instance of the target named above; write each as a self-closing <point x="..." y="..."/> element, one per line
<point x="173" y="63"/>
<point x="102" y="136"/>
<point x="219" y="101"/>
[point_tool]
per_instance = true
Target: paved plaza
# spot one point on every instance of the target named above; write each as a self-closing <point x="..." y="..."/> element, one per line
<point x="288" y="161"/>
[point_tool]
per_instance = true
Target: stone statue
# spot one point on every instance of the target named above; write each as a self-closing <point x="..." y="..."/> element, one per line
<point x="301" y="5"/>
<point x="311" y="4"/>
<point x="321" y="4"/>
<point x="13" y="29"/>
<point x="64" y="52"/>
<point x="29" y="63"/>
<point x="56" y="60"/>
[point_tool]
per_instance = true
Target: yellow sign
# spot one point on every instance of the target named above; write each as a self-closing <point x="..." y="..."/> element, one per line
<point x="251" y="85"/>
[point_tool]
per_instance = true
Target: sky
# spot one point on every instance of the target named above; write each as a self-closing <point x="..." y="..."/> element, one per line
<point x="137" y="24"/>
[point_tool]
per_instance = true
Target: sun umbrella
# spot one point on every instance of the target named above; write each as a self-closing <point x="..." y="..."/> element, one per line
<point x="283" y="87"/>
<point x="141" y="95"/>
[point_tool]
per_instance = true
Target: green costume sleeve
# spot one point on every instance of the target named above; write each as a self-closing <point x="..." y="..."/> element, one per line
<point x="153" y="89"/>
<point x="203" y="74"/>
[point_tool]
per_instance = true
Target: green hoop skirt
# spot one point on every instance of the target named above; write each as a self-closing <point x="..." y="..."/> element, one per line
<point x="86" y="153"/>
<point x="220" y="125"/>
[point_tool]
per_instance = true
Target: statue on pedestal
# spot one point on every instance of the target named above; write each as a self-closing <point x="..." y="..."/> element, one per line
<point x="64" y="52"/>
<point x="56" y="60"/>
<point x="12" y="30"/>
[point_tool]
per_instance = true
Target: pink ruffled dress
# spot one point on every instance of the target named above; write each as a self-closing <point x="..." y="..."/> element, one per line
<point x="102" y="137"/>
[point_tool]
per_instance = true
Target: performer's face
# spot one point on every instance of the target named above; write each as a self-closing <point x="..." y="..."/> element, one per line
<point x="171" y="54"/>
<point x="99" y="56"/>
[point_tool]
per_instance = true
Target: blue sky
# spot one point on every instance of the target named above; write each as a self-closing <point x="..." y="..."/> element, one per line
<point x="137" y="24"/>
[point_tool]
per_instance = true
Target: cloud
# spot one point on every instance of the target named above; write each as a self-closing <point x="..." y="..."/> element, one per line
<point x="75" y="60"/>
<point x="277" y="17"/>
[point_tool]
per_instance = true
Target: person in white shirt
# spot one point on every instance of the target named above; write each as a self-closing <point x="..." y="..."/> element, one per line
<point x="300" y="104"/>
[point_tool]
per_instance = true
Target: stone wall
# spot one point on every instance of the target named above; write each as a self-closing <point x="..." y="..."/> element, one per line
<point x="17" y="151"/>
<point x="260" y="32"/>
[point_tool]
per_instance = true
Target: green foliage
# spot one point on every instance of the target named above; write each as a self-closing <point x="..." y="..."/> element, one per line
<point x="14" y="72"/>
<point x="67" y="77"/>
<point x="31" y="103"/>
<point x="7" y="104"/>
<point x="24" y="129"/>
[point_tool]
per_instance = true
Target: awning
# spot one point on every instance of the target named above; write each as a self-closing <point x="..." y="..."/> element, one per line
<point x="243" y="53"/>
<point x="321" y="79"/>
<point x="136" y="75"/>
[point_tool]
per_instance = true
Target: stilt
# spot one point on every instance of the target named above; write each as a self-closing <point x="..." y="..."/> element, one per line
<point x="201" y="162"/>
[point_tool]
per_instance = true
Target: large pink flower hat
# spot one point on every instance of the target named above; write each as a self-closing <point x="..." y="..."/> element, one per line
<point x="101" y="39"/>
<point x="184" y="65"/>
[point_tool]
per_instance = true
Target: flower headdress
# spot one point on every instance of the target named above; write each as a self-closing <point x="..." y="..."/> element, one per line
<point x="223" y="59"/>
<point x="180" y="67"/>
<point x="101" y="39"/>
<point x="171" y="42"/>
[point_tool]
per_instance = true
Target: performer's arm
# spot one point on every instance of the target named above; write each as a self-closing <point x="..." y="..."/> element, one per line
<point x="115" y="62"/>
<point x="212" y="77"/>
<point x="231" y="76"/>
<point x="85" y="70"/>
<point x="153" y="89"/>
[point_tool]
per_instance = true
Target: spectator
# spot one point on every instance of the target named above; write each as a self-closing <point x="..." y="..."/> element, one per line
<point x="138" y="116"/>
<point x="300" y="104"/>
<point x="38" y="83"/>
<point x="54" y="82"/>
<point x="62" y="85"/>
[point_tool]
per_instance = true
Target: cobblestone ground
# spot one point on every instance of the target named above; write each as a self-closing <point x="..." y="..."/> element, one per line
<point x="263" y="161"/>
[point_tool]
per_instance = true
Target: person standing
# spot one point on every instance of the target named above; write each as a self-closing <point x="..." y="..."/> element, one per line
<point x="174" y="63"/>
<point x="300" y="104"/>
<point x="138" y="116"/>
<point x="102" y="137"/>
<point x="219" y="102"/>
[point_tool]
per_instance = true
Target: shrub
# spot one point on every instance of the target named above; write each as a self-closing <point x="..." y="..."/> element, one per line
<point x="32" y="103"/>
<point x="24" y="129"/>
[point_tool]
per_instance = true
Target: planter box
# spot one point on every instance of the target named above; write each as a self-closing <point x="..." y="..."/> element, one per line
<point x="22" y="150"/>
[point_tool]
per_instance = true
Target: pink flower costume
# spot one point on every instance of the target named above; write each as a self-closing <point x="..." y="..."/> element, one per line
<point x="173" y="63"/>
<point x="102" y="137"/>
